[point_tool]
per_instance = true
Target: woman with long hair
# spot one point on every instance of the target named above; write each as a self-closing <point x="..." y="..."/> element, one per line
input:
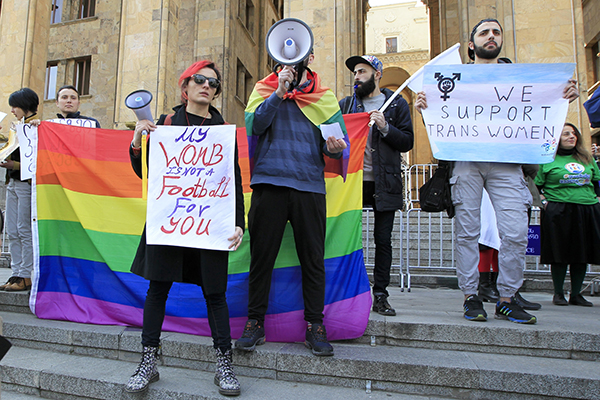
<point x="570" y="226"/>
<point x="163" y="265"/>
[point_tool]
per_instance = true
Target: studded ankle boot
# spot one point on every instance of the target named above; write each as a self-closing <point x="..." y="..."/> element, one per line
<point x="146" y="372"/>
<point x="225" y="377"/>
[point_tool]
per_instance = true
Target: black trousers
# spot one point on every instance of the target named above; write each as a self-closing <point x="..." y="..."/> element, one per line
<point x="154" y="315"/>
<point x="271" y="207"/>
<point x="382" y="234"/>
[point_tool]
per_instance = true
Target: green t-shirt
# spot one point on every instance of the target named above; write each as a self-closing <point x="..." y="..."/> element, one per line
<point x="566" y="180"/>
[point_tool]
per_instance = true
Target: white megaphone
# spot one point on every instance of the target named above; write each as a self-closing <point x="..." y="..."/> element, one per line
<point x="139" y="102"/>
<point x="290" y="42"/>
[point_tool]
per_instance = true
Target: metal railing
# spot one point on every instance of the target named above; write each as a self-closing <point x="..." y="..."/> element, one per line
<point x="426" y="240"/>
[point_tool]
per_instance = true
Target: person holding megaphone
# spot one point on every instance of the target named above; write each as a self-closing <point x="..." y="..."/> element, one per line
<point x="288" y="185"/>
<point x="163" y="265"/>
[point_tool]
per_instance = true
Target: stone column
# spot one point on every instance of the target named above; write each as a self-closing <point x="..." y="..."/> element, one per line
<point x="339" y="30"/>
<point x="24" y="27"/>
<point x="148" y="46"/>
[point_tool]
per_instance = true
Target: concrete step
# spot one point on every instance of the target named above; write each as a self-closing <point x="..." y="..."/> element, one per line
<point x="67" y="376"/>
<point x="426" y="318"/>
<point x="289" y="370"/>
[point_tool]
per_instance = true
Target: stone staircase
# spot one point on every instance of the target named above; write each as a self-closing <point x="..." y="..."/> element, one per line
<point x="428" y="351"/>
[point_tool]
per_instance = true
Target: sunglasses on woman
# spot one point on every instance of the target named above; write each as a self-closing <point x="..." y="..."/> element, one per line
<point x="212" y="82"/>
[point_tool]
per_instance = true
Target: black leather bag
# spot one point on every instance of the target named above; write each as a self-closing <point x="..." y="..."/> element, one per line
<point x="435" y="195"/>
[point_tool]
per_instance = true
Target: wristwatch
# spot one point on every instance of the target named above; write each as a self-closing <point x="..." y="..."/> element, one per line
<point x="544" y="202"/>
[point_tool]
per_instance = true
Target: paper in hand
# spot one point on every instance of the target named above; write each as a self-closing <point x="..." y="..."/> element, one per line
<point x="334" y="130"/>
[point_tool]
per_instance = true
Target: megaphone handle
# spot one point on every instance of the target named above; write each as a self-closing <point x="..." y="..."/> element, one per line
<point x="144" y="165"/>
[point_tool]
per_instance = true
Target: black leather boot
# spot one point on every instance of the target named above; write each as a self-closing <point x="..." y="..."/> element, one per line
<point x="487" y="288"/>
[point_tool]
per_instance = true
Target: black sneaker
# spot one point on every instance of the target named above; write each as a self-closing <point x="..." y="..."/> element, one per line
<point x="525" y="304"/>
<point x="254" y="335"/>
<point x="513" y="312"/>
<point x="316" y="339"/>
<point x="473" y="307"/>
<point x="381" y="305"/>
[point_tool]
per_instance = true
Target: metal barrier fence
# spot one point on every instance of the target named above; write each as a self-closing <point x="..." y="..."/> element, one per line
<point x="423" y="240"/>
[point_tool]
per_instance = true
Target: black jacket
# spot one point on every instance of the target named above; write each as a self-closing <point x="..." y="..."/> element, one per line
<point x="207" y="268"/>
<point x="387" y="158"/>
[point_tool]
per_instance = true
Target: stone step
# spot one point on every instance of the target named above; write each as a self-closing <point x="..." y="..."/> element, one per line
<point x="275" y="369"/>
<point x="427" y="318"/>
<point x="28" y="372"/>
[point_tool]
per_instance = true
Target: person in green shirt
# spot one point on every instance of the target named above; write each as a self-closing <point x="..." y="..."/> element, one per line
<point x="570" y="226"/>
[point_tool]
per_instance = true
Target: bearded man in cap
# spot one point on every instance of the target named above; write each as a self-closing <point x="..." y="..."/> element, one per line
<point x="390" y="135"/>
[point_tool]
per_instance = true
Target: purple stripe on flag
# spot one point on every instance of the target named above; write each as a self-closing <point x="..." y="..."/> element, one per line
<point x="285" y="327"/>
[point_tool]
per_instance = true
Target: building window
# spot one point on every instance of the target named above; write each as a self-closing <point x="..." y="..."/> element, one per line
<point x="81" y="78"/>
<point x="57" y="10"/>
<point x="244" y="83"/>
<point x="87" y="8"/>
<point x="391" y="45"/>
<point x="50" y="87"/>
<point x="246" y="14"/>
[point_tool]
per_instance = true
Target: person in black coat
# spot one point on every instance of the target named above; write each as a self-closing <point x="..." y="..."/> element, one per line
<point x="390" y="135"/>
<point x="163" y="265"/>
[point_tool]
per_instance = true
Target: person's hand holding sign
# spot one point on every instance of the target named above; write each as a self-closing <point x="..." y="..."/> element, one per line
<point x="236" y="239"/>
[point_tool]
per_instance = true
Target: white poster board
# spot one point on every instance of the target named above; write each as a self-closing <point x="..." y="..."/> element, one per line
<point x="191" y="186"/>
<point x="496" y="112"/>
<point x="86" y="123"/>
<point x="28" y="138"/>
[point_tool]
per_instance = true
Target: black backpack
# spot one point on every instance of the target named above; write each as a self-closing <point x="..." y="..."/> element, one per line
<point x="435" y="195"/>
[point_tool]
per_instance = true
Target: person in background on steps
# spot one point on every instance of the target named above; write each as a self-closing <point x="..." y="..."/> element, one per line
<point x="570" y="226"/>
<point x="390" y="135"/>
<point x="163" y="265"/>
<point x="67" y="101"/>
<point x="508" y="192"/>
<point x="489" y="243"/>
<point x="24" y="104"/>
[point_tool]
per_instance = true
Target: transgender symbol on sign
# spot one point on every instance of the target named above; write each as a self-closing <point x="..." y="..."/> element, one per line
<point x="445" y="84"/>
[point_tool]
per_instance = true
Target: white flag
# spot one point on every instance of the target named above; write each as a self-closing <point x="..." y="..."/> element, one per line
<point x="447" y="57"/>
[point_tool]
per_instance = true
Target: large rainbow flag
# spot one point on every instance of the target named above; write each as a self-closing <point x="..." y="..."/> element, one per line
<point x="90" y="215"/>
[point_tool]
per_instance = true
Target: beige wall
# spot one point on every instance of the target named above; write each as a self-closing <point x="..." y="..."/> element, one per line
<point x="338" y="29"/>
<point x="409" y="23"/>
<point x="23" y="46"/>
<point x="147" y="44"/>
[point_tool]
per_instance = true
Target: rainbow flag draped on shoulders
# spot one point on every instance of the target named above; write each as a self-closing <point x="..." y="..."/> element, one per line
<point x="89" y="217"/>
<point x="317" y="103"/>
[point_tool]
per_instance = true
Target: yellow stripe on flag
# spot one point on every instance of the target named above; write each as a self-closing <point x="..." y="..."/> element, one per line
<point x="98" y="213"/>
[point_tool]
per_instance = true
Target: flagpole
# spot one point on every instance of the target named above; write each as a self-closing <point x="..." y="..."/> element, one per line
<point x="413" y="76"/>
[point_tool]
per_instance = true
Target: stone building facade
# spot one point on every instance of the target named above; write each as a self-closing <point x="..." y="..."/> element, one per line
<point x="398" y="34"/>
<point x="110" y="48"/>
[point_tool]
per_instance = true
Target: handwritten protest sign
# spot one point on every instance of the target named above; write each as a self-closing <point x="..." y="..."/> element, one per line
<point x="86" y="123"/>
<point x="191" y="186"/>
<point x="499" y="113"/>
<point x="27" y="135"/>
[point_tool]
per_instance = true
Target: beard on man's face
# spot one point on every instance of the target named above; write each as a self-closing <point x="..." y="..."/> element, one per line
<point x="365" y="88"/>
<point x="482" y="52"/>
